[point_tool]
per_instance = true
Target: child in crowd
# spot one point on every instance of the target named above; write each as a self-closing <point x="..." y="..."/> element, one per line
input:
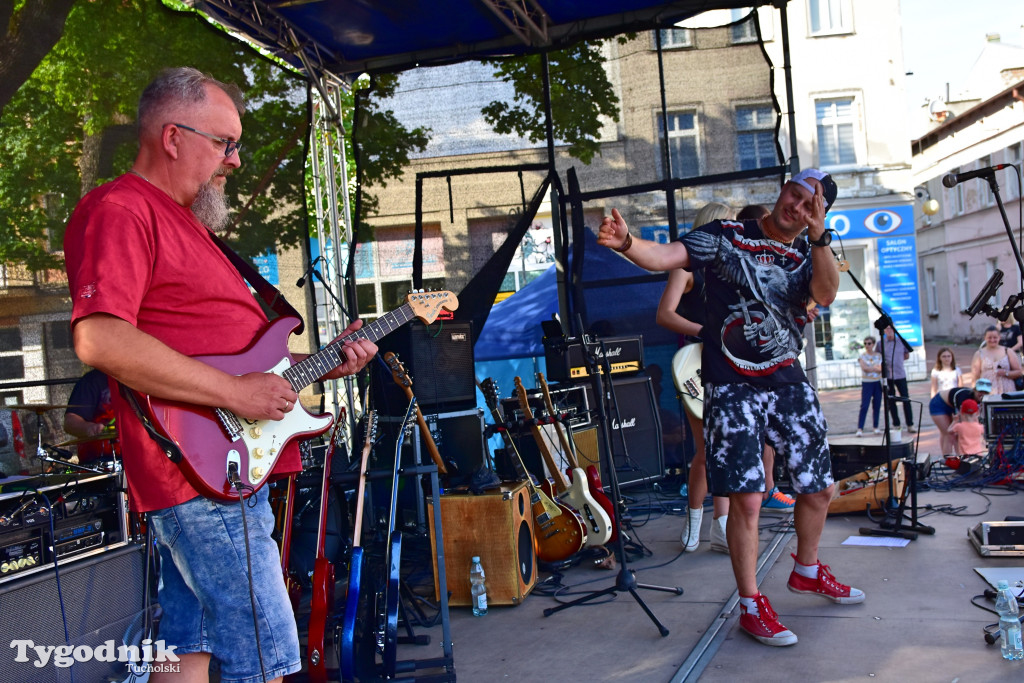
<point x="968" y="434"/>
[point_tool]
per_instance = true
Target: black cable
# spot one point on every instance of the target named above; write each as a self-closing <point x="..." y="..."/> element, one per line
<point x="240" y="487"/>
<point x="56" y="573"/>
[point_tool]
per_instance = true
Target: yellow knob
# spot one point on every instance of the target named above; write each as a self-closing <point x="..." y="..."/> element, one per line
<point x="256" y="432"/>
<point x="258" y="453"/>
<point x="256" y="473"/>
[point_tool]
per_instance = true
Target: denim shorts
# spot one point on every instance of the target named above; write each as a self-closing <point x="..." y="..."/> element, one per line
<point x="740" y="418"/>
<point x="204" y="587"/>
<point x="939" y="407"/>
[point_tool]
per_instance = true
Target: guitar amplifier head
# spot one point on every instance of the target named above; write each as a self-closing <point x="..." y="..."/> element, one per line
<point x="567" y="361"/>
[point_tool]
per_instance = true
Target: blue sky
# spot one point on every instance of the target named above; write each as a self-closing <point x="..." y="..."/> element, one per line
<point x="943" y="38"/>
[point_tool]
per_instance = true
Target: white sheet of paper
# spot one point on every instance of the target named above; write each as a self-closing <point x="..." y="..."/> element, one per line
<point x="878" y="541"/>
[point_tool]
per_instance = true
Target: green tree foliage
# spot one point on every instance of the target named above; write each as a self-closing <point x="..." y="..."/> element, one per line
<point x="71" y="126"/>
<point x="580" y="94"/>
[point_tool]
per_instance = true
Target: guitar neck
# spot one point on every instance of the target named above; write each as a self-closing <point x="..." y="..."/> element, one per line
<point x="357" y="520"/>
<point x="312" y="368"/>
<point x="538" y="436"/>
<point x="567" y="449"/>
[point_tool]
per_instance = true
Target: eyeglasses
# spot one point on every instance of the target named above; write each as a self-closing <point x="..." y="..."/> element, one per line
<point x="869" y="343"/>
<point x="230" y="146"/>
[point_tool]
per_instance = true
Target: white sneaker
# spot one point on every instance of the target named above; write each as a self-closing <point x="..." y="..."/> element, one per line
<point x="691" y="532"/>
<point x="719" y="541"/>
<point x="860" y="432"/>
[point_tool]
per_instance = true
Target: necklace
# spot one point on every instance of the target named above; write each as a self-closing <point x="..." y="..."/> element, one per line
<point x="771" y="234"/>
<point x="134" y="172"/>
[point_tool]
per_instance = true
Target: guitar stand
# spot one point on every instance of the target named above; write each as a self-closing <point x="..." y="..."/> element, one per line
<point x="447" y="661"/>
<point x="626" y="579"/>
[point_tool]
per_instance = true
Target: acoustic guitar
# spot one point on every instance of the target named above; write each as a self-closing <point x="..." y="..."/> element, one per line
<point x="213" y="446"/>
<point x="558" y="530"/>
<point x="600" y="518"/>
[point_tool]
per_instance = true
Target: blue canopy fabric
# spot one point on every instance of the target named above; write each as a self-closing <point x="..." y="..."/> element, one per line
<point x="513" y="328"/>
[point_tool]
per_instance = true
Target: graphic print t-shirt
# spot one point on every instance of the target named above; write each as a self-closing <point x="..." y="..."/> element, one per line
<point x="756" y="293"/>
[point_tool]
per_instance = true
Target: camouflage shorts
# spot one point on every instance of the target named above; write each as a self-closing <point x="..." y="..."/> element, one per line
<point x="740" y="418"/>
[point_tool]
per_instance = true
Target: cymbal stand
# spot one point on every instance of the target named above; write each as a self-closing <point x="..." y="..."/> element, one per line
<point x="626" y="579"/>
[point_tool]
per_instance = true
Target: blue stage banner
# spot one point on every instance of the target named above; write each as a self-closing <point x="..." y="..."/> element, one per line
<point x="266" y="264"/>
<point x="897" y="268"/>
<point x="886" y="221"/>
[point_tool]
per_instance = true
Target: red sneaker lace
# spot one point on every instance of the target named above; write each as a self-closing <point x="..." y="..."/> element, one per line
<point x="764" y="609"/>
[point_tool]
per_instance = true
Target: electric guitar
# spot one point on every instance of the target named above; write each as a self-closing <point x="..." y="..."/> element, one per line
<point x="389" y="632"/>
<point x="213" y="446"/>
<point x="347" y="654"/>
<point x="577" y="495"/>
<point x="600" y="517"/>
<point x="686" y="375"/>
<point x="402" y="379"/>
<point x="321" y="603"/>
<point x="558" y="530"/>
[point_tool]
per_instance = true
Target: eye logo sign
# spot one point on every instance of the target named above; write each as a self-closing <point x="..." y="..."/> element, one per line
<point x="880" y="222"/>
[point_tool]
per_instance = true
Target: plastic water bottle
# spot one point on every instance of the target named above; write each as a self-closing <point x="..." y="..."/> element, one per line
<point x="478" y="591"/>
<point x="1009" y="623"/>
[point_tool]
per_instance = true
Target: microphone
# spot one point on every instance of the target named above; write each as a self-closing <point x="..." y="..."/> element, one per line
<point x="309" y="271"/>
<point x="953" y="179"/>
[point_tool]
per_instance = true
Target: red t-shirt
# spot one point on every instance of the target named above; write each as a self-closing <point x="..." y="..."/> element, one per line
<point x="132" y="252"/>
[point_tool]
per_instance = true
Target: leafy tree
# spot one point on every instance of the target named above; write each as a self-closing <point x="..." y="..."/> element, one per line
<point x="580" y="94"/>
<point x="33" y="27"/>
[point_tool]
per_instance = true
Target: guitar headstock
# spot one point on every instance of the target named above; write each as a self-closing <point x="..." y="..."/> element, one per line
<point x="541" y="382"/>
<point x="398" y="371"/>
<point x="488" y="387"/>
<point x="524" y="400"/>
<point x="427" y="305"/>
<point x="371" y="429"/>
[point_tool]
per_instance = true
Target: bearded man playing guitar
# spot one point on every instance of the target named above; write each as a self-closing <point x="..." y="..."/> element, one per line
<point x="150" y="292"/>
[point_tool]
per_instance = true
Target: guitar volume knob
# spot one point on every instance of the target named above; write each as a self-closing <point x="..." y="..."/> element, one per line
<point x="256" y="473"/>
<point x="258" y="453"/>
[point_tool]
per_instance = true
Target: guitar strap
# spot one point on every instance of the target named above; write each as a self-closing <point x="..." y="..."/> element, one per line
<point x="267" y="293"/>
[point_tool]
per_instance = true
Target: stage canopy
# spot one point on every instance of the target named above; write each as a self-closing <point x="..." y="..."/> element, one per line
<point x="344" y="38"/>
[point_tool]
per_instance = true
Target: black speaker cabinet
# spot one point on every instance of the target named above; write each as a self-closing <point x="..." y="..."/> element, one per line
<point x="643" y="456"/>
<point x="850" y="459"/>
<point x="102" y="600"/>
<point x="439" y="360"/>
<point x="497" y="526"/>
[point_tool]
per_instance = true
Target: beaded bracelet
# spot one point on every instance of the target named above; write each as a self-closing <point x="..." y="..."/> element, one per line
<point x="626" y="245"/>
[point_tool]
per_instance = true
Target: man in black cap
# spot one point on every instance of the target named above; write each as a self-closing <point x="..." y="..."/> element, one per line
<point x="759" y="279"/>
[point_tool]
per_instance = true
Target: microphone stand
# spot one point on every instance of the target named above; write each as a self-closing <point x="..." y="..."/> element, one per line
<point x="891" y="522"/>
<point x="313" y="272"/>
<point x="626" y="579"/>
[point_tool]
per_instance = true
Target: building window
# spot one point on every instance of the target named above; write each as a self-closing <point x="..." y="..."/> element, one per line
<point x="745" y="31"/>
<point x="682" y="143"/>
<point x="10" y="339"/>
<point x="958" y="194"/>
<point x="964" y="285"/>
<point x="1012" y="156"/>
<point x="828" y="17"/>
<point x="755" y="136"/>
<point x="988" y="197"/>
<point x="990" y="269"/>
<point x="932" y="288"/>
<point x="675" y="38"/>
<point x="835" y="119"/>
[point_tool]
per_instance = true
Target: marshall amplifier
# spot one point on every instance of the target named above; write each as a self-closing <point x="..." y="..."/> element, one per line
<point x="566" y="361"/>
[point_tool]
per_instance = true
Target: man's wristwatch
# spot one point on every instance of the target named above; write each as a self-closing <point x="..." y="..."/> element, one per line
<point x="823" y="241"/>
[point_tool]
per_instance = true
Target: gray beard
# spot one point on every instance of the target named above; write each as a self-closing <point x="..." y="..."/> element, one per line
<point x="211" y="207"/>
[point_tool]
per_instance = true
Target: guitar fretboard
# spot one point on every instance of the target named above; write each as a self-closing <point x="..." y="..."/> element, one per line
<point x="310" y="369"/>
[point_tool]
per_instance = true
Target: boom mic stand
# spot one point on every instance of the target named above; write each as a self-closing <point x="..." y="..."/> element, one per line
<point x="626" y="579"/>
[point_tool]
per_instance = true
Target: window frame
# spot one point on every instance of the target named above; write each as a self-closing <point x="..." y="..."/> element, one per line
<point x="845" y="23"/>
<point x="755" y="132"/>
<point x="854" y="121"/>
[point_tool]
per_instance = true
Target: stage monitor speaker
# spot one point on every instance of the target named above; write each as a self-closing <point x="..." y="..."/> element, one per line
<point x="643" y="458"/>
<point x="497" y="526"/>
<point x="438" y="359"/>
<point x="850" y="459"/>
<point x="102" y="600"/>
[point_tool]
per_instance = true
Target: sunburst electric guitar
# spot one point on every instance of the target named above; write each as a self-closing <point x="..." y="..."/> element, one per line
<point x="576" y="494"/>
<point x="213" y="446"/>
<point x="558" y="530"/>
<point x="585" y="489"/>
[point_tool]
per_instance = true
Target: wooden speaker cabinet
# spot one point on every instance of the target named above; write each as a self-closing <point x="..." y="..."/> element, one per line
<point x="497" y="526"/>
